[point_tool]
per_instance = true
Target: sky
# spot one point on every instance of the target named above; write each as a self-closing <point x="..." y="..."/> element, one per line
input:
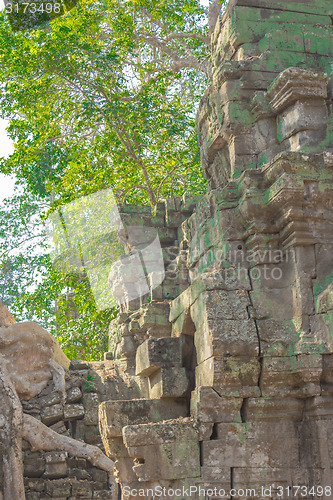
<point x="6" y="182"/>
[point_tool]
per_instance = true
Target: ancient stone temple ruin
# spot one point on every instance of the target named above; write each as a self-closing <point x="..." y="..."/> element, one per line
<point x="221" y="377"/>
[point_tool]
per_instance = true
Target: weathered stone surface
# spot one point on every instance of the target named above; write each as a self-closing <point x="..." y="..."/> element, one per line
<point x="252" y="445"/>
<point x="114" y="415"/>
<point x="168" y="382"/>
<point x="208" y="406"/>
<point x="52" y="414"/>
<point x="73" y="395"/>
<point x="325" y="300"/>
<point x="34" y="467"/>
<point x="230" y="376"/>
<point x="73" y="412"/>
<point x="159" y="433"/>
<point x="124" y="469"/>
<point x="58" y="488"/>
<point x="292" y="376"/>
<point x="169" y="450"/>
<point x="90" y="404"/>
<point x="226" y="338"/>
<point x="155" y="353"/>
<point x="220" y="304"/>
<point x="55" y="470"/>
<point x="258" y="250"/>
<point x="297" y="85"/>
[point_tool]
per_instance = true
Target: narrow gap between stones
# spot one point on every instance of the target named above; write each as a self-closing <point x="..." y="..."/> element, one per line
<point x="261" y="7"/>
<point x="231" y="480"/>
<point x="214" y="435"/>
<point x="260" y="356"/>
<point x="216" y="392"/>
<point x="200" y="453"/>
<point x="243" y="410"/>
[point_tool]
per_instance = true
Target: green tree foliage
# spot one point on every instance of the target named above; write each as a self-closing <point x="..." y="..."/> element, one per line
<point x="102" y="97"/>
<point x="106" y="96"/>
<point x="33" y="289"/>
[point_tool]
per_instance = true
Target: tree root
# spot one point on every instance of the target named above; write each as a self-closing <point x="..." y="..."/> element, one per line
<point x="43" y="438"/>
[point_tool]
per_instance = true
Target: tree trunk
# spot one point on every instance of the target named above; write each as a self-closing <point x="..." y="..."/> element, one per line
<point x="10" y="438"/>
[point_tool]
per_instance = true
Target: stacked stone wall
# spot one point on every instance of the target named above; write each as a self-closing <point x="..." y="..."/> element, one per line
<point x="237" y="368"/>
<point x="60" y="474"/>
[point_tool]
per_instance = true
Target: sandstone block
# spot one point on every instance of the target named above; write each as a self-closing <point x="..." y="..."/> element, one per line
<point x="37" y="355"/>
<point x="114" y="415"/>
<point x="264" y="477"/>
<point x="325" y="300"/>
<point x="55" y="397"/>
<point x="291" y="376"/>
<point x="155" y="353"/>
<point x="105" y="494"/>
<point x="79" y="474"/>
<point x="321" y="327"/>
<point x="276" y="409"/>
<point x="124" y="470"/>
<point x="32" y="495"/>
<point x="34" y="467"/>
<point x="156" y="318"/>
<point x="56" y="465"/>
<point x="180" y="304"/>
<point x="164" y="450"/>
<point x="277" y="338"/>
<point x="252" y="445"/>
<point x="99" y="476"/>
<point x="222" y="279"/>
<point x="92" y="436"/>
<point x="205" y="430"/>
<point x="297" y="85"/>
<point x="216" y="474"/>
<point x="220" y="304"/>
<point x="115" y="448"/>
<point x="167" y="462"/>
<point x="90" y="404"/>
<point x="183" y="325"/>
<point x="159" y="433"/>
<point x="82" y="489"/>
<point x="226" y="338"/>
<point x="168" y="382"/>
<point x="234" y="376"/>
<point x="310" y="115"/>
<point x="208" y="406"/>
<point x="52" y="414"/>
<point x="58" y="488"/>
<point x="273" y="303"/>
<point x="73" y="411"/>
<point x="269" y="274"/>
<point x="80" y="463"/>
<point x="74" y="395"/>
<point x="327" y="375"/>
